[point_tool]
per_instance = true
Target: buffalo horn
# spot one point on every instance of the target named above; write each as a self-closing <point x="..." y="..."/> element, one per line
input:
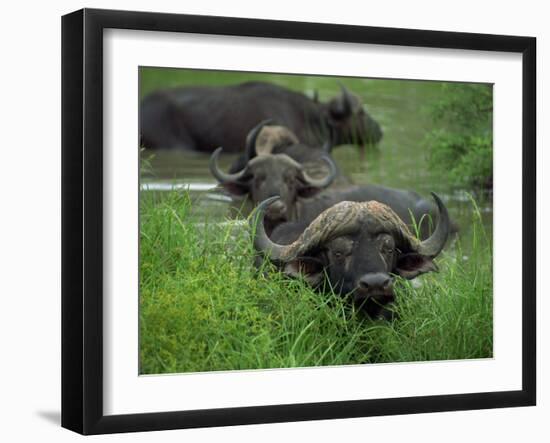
<point x="347" y="102"/>
<point x="250" y="149"/>
<point x="433" y="245"/>
<point x="221" y="176"/>
<point x="262" y="242"/>
<point x="347" y="217"/>
<point x="325" y="181"/>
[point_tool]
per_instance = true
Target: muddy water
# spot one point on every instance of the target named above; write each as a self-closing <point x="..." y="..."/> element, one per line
<point x="399" y="161"/>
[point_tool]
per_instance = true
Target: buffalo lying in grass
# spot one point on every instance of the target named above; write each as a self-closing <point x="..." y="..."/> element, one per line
<point x="354" y="249"/>
<point x="202" y="118"/>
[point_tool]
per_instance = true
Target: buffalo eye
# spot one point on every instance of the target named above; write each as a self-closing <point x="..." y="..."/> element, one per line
<point x="387" y="246"/>
<point x="336" y="254"/>
<point x="340" y="248"/>
<point x="339" y="254"/>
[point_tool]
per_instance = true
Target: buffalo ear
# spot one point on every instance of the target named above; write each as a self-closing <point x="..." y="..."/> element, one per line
<point x="411" y="265"/>
<point x="338" y="111"/>
<point x="309" y="268"/>
<point x="236" y="188"/>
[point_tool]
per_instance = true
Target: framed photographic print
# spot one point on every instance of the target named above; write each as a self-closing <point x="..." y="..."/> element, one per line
<point x="270" y="221"/>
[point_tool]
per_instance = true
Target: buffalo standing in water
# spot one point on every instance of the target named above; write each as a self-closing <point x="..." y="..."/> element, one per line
<point x="274" y="163"/>
<point x="353" y="248"/>
<point x="203" y="118"/>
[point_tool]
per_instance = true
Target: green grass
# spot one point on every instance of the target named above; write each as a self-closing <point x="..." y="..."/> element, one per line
<point x="204" y="306"/>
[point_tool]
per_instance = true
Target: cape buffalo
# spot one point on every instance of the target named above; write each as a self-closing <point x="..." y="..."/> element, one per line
<point x="269" y="167"/>
<point x="202" y="118"/>
<point x="353" y="248"/>
<point x="274" y="163"/>
<point x="267" y="139"/>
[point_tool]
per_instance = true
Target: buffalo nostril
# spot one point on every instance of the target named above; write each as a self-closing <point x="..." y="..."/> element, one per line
<point x="375" y="281"/>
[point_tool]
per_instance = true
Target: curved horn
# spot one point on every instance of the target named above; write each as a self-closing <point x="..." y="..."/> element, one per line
<point x="347" y="102"/>
<point x="250" y="149"/>
<point x="221" y="176"/>
<point x="262" y="243"/>
<point x="432" y="246"/>
<point x="325" y="181"/>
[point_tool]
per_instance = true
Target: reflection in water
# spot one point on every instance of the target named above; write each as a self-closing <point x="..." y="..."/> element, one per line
<point x="399" y="161"/>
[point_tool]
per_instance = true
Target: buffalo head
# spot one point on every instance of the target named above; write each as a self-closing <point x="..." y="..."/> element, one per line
<point x="355" y="248"/>
<point x="266" y="174"/>
<point x="349" y="122"/>
<point x="270" y="139"/>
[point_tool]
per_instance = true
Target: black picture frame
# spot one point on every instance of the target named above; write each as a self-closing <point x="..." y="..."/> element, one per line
<point x="82" y="219"/>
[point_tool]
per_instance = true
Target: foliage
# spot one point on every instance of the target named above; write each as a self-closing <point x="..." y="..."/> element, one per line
<point x="462" y="146"/>
<point x="205" y="307"/>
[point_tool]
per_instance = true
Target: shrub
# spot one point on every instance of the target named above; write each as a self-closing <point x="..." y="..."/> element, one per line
<point x="462" y="145"/>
